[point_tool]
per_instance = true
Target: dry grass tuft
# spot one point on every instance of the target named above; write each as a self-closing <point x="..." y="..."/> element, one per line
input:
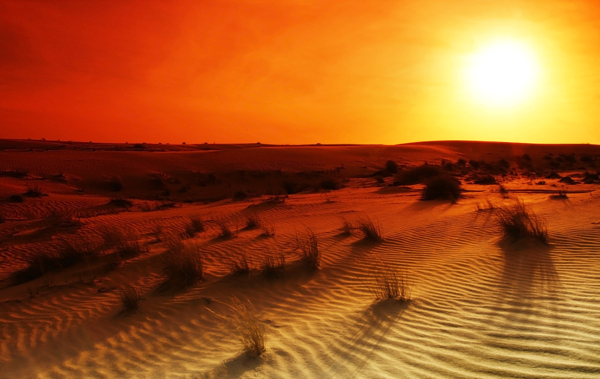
<point x="130" y="298"/>
<point x="253" y="221"/>
<point x="518" y="221"/>
<point x="68" y="255"/>
<point x="273" y="266"/>
<point x="239" y="265"/>
<point x="225" y="231"/>
<point x="389" y="284"/>
<point x="182" y="264"/>
<point x="370" y="230"/>
<point x="486" y="206"/>
<point x="34" y="191"/>
<point x="309" y="248"/>
<point x="347" y="227"/>
<point x="195" y="225"/>
<point x="442" y="187"/>
<point x="268" y="230"/>
<point x="246" y="326"/>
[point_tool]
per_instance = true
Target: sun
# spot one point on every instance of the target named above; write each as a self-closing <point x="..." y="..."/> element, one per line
<point x="502" y="74"/>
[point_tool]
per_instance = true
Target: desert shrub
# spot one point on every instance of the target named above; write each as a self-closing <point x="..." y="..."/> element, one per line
<point x="61" y="220"/>
<point x="586" y="159"/>
<point x="330" y="184"/>
<point x="129" y="249"/>
<point x="66" y="256"/>
<point x="34" y="191"/>
<point x="130" y="298"/>
<point x="247" y="327"/>
<point x="273" y="265"/>
<point x="240" y="195"/>
<point x="182" y="264"/>
<point x="112" y="236"/>
<point x="14" y="174"/>
<point x="268" y="230"/>
<point x="15" y="199"/>
<point x="239" y="265"/>
<point x="194" y="226"/>
<point x="114" y="184"/>
<point x="391" y="167"/>
<point x="461" y="162"/>
<point x="441" y="187"/>
<point x="484" y="179"/>
<point x="225" y="230"/>
<point x="252" y="221"/>
<point x="309" y="250"/>
<point x="370" y="230"/>
<point x="389" y="284"/>
<point x="561" y="193"/>
<point x="120" y="202"/>
<point x="487" y="206"/>
<point x="518" y="221"/>
<point x="347" y="227"/>
<point x="475" y="164"/>
<point x="418" y="174"/>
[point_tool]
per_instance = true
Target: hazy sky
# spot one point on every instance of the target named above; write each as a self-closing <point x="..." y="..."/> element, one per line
<point x="290" y="71"/>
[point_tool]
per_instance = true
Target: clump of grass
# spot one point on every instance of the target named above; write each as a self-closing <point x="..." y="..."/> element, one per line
<point x="59" y="220"/>
<point x="66" y="256"/>
<point x="239" y="265"/>
<point x="268" y="230"/>
<point x="253" y="221"/>
<point x="129" y="249"/>
<point x="347" y="227"/>
<point x="518" y="221"/>
<point x="389" y="284"/>
<point x="34" y="191"/>
<point x="182" y="264"/>
<point x="486" y="206"/>
<point x="442" y="187"/>
<point x="370" y="230"/>
<point x="194" y="226"/>
<point x="130" y="298"/>
<point x="309" y="248"/>
<point x="273" y="266"/>
<point x="225" y="231"/>
<point x="246" y="326"/>
<point x="418" y="174"/>
<point x="120" y="202"/>
<point x="114" y="183"/>
<point x="561" y="194"/>
<point x="503" y="191"/>
<point x="15" y="199"/>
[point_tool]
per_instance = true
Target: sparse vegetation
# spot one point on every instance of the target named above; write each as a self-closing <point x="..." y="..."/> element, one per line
<point x="252" y="221"/>
<point x="273" y="265"/>
<point x="246" y="326"/>
<point x="486" y="206"/>
<point x="182" y="264"/>
<point x="347" y="227"/>
<point x="370" y="230"/>
<point x="130" y="298"/>
<point x="194" y="226"/>
<point x="268" y="230"/>
<point x="418" y="174"/>
<point x="442" y="187"/>
<point x="309" y="249"/>
<point x="225" y="231"/>
<point x="391" y="167"/>
<point x="518" y="221"/>
<point x="68" y="255"/>
<point x="114" y="184"/>
<point x="34" y="191"/>
<point x="239" y="265"/>
<point x="389" y="284"/>
<point x="15" y="199"/>
<point x="120" y="202"/>
<point x="330" y="184"/>
<point x="561" y="193"/>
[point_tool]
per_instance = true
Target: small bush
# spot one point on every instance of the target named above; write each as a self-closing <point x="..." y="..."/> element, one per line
<point x="120" y="202"/>
<point x="130" y="298"/>
<point x="273" y="266"/>
<point x="34" y="191"/>
<point x="252" y="221"/>
<point x="194" y="226"/>
<point x="240" y="195"/>
<point x="347" y="227"/>
<point x="370" y="230"/>
<point x="441" y="187"/>
<point x="15" y="199"/>
<point x="182" y="265"/>
<point x="330" y="184"/>
<point x="485" y="179"/>
<point x="391" y="167"/>
<point x="114" y="184"/>
<point x="68" y="255"/>
<point x="418" y="174"/>
<point x="389" y="284"/>
<point x="518" y="221"/>
<point x="248" y="328"/>
<point x="309" y="248"/>
<point x="268" y="230"/>
<point x="225" y="230"/>
<point x="239" y="265"/>
<point x="129" y="249"/>
<point x="561" y="194"/>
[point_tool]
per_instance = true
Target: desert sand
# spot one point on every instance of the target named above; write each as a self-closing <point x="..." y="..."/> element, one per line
<point x="481" y="305"/>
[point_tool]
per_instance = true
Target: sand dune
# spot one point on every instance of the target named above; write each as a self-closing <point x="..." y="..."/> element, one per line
<point x="481" y="306"/>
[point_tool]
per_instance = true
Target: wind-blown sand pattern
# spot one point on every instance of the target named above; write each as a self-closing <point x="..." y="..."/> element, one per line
<point x="481" y="306"/>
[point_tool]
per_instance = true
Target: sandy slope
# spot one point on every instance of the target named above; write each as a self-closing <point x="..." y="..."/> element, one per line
<point x="481" y="307"/>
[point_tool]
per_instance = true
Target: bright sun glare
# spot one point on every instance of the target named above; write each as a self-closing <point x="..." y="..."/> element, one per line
<point x="502" y="74"/>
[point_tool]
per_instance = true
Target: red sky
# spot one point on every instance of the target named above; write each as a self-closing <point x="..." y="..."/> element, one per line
<point x="289" y="71"/>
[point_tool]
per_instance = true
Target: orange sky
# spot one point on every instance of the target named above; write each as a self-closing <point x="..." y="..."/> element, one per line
<point x="289" y="71"/>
